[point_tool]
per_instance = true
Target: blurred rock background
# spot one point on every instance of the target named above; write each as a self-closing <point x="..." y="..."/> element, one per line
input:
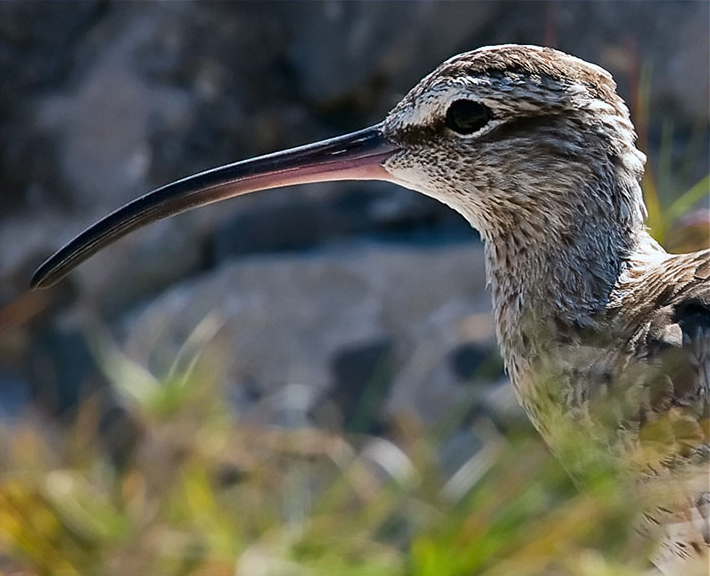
<point x="356" y="301"/>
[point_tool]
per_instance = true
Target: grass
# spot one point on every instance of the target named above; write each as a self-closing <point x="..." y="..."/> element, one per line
<point x="667" y="205"/>
<point x="202" y="493"/>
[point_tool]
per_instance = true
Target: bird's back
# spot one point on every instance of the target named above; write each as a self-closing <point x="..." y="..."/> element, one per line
<point x="632" y="385"/>
<point x="664" y="362"/>
<point x="635" y="384"/>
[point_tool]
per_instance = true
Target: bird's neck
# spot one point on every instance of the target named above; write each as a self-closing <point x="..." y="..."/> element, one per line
<point x="551" y="285"/>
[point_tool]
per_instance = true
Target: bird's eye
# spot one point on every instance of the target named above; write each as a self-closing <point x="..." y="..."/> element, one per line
<point x="467" y="116"/>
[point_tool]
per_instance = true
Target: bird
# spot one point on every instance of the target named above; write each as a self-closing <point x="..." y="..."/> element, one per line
<point x="602" y="331"/>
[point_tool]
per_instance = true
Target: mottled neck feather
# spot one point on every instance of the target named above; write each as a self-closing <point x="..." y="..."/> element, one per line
<point x="553" y="269"/>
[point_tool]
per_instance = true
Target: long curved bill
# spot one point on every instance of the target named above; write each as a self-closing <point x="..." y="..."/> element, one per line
<point x="356" y="156"/>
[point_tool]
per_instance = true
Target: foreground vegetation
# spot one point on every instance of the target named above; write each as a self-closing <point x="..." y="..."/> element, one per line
<point x="201" y="492"/>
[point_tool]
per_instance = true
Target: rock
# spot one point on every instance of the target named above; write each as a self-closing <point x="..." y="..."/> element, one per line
<point x="14" y="396"/>
<point x="63" y="371"/>
<point x="329" y="321"/>
<point x="319" y="214"/>
<point x="362" y="377"/>
<point x="368" y="59"/>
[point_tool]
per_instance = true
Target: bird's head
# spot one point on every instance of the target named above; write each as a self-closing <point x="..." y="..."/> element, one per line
<point x="513" y="137"/>
<point x="518" y="133"/>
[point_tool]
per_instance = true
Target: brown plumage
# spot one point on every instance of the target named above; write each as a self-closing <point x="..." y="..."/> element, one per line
<point x="600" y="328"/>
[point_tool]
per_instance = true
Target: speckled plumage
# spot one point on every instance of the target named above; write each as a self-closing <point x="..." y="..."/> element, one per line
<point x="601" y="329"/>
<point x="590" y="310"/>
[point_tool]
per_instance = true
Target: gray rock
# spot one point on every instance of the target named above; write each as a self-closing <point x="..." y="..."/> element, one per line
<point x="323" y="321"/>
<point x="14" y="396"/>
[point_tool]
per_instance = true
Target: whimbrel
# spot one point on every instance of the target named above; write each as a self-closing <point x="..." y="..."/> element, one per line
<point x="536" y="149"/>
